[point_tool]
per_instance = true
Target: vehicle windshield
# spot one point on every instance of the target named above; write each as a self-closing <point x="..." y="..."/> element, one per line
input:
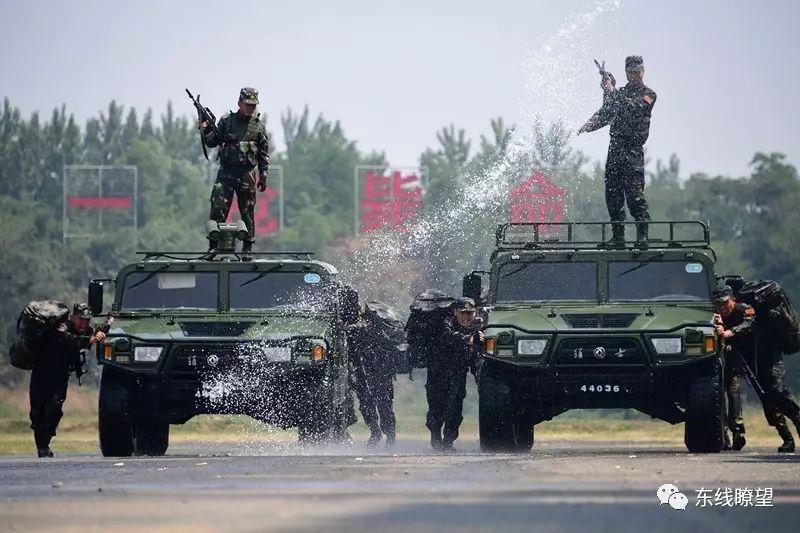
<point x="658" y="281"/>
<point x="533" y="281"/>
<point x="170" y="290"/>
<point x="293" y="291"/>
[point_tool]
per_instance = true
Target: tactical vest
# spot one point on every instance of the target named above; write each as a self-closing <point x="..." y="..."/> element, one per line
<point x="240" y="145"/>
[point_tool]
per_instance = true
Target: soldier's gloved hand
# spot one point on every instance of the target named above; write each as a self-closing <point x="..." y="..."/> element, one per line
<point x="98" y="337"/>
<point x="203" y="124"/>
<point x="262" y="185"/>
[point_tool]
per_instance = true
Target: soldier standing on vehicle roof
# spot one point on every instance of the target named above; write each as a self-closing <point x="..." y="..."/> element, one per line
<point x="452" y="355"/>
<point x="627" y="110"/>
<point x="61" y="354"/>
<point x="243" y="148"/>
<point x="734" y="324"/>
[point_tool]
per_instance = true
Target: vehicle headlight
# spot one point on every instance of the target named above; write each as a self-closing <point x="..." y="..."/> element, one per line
<point x="668" y="345"/>
<point x="147" y="354"/>
<point x="531" y="346"/>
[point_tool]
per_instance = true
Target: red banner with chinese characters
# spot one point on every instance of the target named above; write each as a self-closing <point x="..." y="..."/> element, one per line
<point x="266" y="221"/>
<point x="101" y="202"/>
<point x="389" y="201"/>
<point x="537" y="199"/>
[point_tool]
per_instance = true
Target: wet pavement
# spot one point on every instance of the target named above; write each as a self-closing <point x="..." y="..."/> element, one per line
<point x="558" y="487"/>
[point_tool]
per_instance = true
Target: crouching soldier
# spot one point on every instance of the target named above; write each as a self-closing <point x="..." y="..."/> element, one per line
<point x="374" y="356"/>
<point x="452" y="356"/>
<point x="60" y="355"/>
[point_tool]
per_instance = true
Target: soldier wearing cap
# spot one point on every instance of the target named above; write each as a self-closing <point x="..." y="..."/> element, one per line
<point x="763" y="357"/>
<point x="452" y="356"/>
<point x="243" y="150"/>
<point x="61" y="354"/>
<point x="734" y="322"/>
<point x="627" y="110"/>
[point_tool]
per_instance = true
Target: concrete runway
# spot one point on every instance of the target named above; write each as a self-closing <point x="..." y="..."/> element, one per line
<point x="593" y="487"/>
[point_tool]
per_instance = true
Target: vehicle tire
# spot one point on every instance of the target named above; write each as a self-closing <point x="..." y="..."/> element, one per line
<point x="704" y="428"/>
<point x="523" y="437"/>
<point x="151" y="438"/>
<point x="317" y="424"/>
<point x="116" y="433"/>
<point x="495" y="426"/>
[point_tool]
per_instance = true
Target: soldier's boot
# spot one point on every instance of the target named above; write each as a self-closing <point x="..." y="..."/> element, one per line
<point x="617" y="240"/>
<point x="642" y="235"/>
<point x="738" y="440"/>
<point x="390" y="439"/>
<point x="788" y="440"/>
<point x="42" y="439"/>
<point x="374" y="435"/>
<point x="247" y="250"/>
<point x="436" y="440"/>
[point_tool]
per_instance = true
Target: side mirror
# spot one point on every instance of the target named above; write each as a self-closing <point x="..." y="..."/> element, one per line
<point x="349" y="305"/>
<point x="472" y="286"/>
<point x="96" y="297"/>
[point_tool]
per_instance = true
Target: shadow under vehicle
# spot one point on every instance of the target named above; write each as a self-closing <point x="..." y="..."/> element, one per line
<point x="574" y="324"/>
<point x="222" y="333"/>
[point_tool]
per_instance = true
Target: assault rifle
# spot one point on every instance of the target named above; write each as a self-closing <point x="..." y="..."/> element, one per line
<point x="204" y="114"/>
<point x="605" y="75"/>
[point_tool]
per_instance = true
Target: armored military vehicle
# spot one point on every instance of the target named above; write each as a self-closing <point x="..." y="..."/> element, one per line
<point x="575" y="324"/>
<point x="260" y="335"/>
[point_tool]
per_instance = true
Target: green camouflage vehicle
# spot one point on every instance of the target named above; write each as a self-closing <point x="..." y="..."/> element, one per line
<point x="223" y="334"/>
<point x="572" y="324"/>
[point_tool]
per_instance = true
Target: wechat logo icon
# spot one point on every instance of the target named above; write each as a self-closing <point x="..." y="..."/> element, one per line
<point x="672" y="496"/>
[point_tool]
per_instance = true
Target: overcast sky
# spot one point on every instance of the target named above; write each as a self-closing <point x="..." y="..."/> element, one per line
<point x="726" y="71"/>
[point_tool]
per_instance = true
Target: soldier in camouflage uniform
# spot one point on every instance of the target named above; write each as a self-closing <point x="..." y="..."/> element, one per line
<point x="60" y="355"/>
<point x="627" y="110"/>
<point x="734" y="323"/>
<point x="243" y="148"/>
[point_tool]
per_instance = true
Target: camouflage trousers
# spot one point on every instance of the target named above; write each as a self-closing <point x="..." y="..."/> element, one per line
<point x="625" y="184"/>
<point x="777" y="401"/>
<point x="733" y="392"/>
<point x="244" y="185"/>
<point x="48" y="391"/>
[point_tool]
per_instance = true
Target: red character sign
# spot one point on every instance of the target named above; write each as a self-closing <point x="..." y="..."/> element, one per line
<point x="389" y="201"/>
<point x="266" y="222"/>
<point x="537" y="199"/>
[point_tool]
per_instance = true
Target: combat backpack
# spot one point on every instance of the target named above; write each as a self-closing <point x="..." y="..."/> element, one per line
<point x="390" y="335"/>
<point x="33" y="324"/>
<point x="428" y="311"/>
<point x="775" y="316"/>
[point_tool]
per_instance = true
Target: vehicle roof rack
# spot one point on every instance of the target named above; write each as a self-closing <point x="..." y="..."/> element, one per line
<point x="189" y="256"/>
<point x="595" y="235"/>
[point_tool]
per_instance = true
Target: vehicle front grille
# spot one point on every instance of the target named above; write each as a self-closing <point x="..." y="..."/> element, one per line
<point x="215" y="329"/>
<point x="216" y="358"/>
<point x="603" y="351"/>
<point x="614" y="320"/>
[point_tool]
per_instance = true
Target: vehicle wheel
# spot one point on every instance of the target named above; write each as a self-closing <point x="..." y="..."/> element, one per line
<point x="523" y="437"/>
<point x="319" y="420"/>
<point x="116" y="433"/>
<point x="704" y="429"/>
<point x="495" y="426"/>
<point x="151" y="438"/>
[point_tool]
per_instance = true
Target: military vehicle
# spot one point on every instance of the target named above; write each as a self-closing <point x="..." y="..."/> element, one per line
<point x="574" y="324"/>
<point x="222" y="333"/>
